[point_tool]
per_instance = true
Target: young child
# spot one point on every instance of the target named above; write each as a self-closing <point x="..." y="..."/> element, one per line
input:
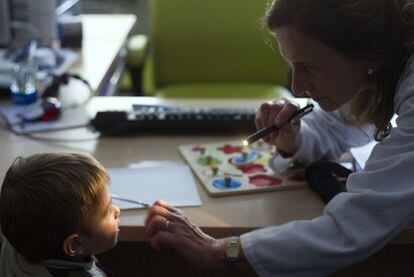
<point x="56" y="214"/>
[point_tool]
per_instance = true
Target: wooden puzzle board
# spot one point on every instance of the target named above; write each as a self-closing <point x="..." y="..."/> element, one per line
<point x="228" y="168"/>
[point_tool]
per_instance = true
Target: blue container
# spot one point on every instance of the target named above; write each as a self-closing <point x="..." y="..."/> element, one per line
<point x="24" y="98"/>
<point x="23" y="85"/>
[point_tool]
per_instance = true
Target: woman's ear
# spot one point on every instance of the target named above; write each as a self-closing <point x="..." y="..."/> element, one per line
<point x="72" y="246"/>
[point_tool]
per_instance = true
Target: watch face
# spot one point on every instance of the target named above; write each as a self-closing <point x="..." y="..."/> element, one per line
<point x="233" y="248"/>
<point x="233" y="251"/>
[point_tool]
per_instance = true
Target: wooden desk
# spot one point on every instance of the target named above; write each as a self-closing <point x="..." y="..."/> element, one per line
<point x="218" y="217"/>
<point x="104" y="36"/>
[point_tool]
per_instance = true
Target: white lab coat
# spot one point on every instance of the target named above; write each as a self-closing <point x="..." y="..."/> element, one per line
<point x="355" y="224"/>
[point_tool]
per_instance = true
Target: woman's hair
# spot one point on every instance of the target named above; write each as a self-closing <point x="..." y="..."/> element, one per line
<point x="379" y="31"/>
<point x="46" y="197"/>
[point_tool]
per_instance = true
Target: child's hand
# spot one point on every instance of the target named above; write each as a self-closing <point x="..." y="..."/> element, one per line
<point x="287" y="139"/>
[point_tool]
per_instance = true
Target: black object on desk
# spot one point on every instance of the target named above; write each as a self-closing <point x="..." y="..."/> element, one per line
<point x="165" y="120"/>
<point x="327" y="179"/>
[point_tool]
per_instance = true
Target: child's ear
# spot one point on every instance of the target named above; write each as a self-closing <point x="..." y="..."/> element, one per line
<point x="72" y="246"/>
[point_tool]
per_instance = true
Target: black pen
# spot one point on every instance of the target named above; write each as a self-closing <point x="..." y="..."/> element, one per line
<point x="266" y="131"/>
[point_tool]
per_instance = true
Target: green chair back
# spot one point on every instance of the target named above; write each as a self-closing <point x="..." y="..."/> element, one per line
<point x="213" y="42"/>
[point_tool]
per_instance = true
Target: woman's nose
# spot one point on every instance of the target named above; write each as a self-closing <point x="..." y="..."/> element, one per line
<point x="299" y="86"/>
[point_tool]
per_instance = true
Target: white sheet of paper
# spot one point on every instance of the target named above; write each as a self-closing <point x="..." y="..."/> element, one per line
<point x="172" y="183"/>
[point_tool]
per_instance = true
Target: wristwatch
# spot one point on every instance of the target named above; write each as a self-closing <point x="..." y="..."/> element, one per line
<point x="232" y="252"/>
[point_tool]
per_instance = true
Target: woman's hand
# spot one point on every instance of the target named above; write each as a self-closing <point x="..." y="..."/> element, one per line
<point x="170" y="229"/>
<point x="288" y="138"/>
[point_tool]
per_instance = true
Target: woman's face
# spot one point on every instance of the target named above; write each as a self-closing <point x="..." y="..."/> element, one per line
<point x="323" y="73"/>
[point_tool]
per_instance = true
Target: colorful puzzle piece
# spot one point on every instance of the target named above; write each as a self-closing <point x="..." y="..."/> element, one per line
<point x="208" y="161"/>
<point x="229" y="168"/>
<point x="245" y="158"/>
<point x="226" y="183"/>
<point x="252" y="168"/>
<point x="229" y="149"/>
<point x="264" y="180"/>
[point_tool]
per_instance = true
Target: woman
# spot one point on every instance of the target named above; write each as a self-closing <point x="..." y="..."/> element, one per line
<point x="353" y="58"/>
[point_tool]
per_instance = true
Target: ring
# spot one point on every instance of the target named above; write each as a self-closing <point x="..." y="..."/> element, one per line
<point x="167" y="222"/>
